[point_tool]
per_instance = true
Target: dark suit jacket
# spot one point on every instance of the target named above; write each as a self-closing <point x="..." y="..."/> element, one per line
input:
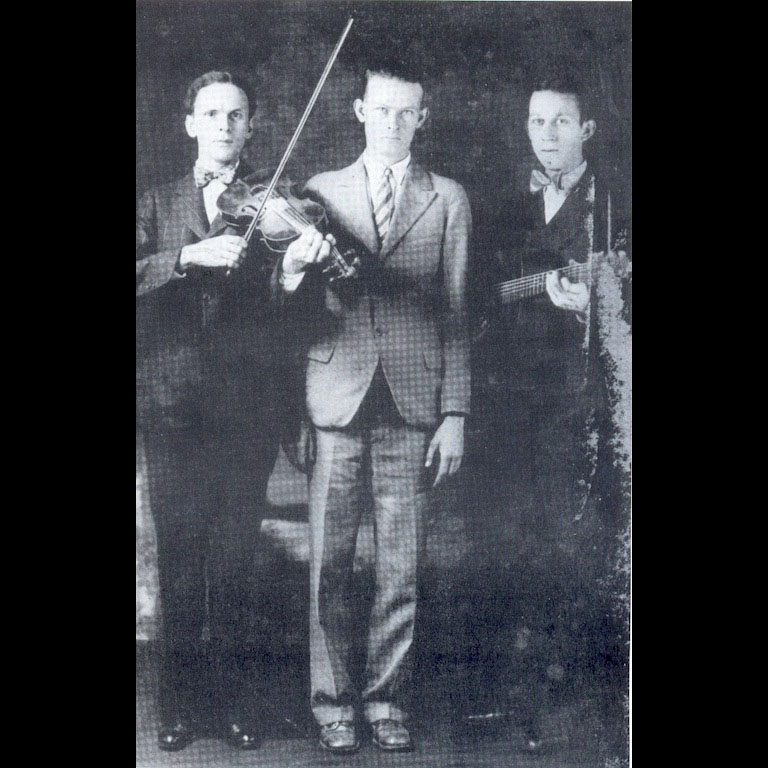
<point x="207" y="344"/>
<point x="408" y="309"/>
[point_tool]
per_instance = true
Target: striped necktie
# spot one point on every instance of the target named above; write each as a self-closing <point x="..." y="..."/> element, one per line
<point x="384" y="204"/>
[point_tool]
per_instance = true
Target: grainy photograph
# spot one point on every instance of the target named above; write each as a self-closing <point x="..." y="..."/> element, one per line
<point x="383" y="383"/>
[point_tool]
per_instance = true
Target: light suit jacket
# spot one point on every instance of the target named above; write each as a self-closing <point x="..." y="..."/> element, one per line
<point x="408" y="308"/>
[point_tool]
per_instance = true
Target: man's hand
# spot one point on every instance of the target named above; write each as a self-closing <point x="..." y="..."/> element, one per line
<point x="224" y="251"/>
<point x="449" y="441"/>
<point x="567" y="295"/>
<point x="309" y="248"/>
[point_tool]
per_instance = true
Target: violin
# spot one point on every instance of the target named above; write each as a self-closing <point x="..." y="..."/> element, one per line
<point x="283" y="218"/>
<point x="279" y="216"/>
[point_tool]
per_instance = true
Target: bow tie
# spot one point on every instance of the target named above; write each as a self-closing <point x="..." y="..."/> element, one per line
<point x="559" y="180"/>
<point x="203" y="176"/>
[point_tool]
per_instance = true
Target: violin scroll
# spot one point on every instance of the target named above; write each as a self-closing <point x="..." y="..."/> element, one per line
<point x="342" y="266"/>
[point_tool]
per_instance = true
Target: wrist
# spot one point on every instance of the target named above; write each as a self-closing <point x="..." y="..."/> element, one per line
<point x="290" y="267"/>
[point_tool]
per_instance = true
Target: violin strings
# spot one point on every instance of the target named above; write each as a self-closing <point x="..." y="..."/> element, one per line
<point x="295" y="217"/>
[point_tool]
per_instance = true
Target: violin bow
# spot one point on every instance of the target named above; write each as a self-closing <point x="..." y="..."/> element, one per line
<point x="297" y="132"/>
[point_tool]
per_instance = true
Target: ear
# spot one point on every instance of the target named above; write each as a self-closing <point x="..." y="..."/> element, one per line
<point x="359" y="108"/>
<point x="251" y="126"/>
<point x="588" y="128"/>
<point x="189" y="124"/>
<point x="423" y="115"/>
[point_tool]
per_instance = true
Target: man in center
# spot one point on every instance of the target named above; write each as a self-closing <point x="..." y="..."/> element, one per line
<point x="387" y="390"/>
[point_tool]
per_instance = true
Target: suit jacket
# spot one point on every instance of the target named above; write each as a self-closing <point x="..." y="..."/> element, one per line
<point x="206" y="342"/>
<point x="408" y="309"/>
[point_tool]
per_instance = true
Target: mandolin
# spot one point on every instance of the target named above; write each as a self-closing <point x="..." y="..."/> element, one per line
<point x="526" y="287"/>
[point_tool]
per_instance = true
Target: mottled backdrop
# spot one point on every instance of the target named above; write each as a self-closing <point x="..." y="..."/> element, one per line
<point x="507" y="593"/>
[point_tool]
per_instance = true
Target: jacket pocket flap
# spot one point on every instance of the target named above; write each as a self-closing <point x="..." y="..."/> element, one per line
<point x="321" y="353"/>
<point x="433" y="359"/>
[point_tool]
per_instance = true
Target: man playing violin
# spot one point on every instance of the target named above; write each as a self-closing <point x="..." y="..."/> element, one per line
<point x="208" y="406"/>
<point x="387" y="390"/>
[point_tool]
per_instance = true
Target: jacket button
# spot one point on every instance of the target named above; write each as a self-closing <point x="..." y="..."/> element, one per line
<point x="379" y="332"/>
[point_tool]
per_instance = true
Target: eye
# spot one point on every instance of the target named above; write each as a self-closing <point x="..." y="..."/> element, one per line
<point x="564" y="120"/>
<point x="536" y="121"/>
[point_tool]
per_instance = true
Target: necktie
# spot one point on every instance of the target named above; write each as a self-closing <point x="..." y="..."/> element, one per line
<point x="560" y="181"/>
<point x="203" y="176"/>
<point x="384" y="204"/>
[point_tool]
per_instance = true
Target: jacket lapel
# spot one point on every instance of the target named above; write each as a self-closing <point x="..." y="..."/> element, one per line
<point x="355" y="206"/>
<point x="415" y="197"/>
<point x="193" y="207"/>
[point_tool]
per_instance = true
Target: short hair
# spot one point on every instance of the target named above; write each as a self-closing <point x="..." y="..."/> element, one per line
<point x="215" y="76"/>
<point x="398" y="68"/>
<point x="569" y="84"/>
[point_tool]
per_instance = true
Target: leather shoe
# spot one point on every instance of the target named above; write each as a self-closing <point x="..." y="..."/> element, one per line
<point x="172" y="738"/>
<point x="242" y="737"/>
<point x="339" y="737"/>
<point x="391" y="736"/>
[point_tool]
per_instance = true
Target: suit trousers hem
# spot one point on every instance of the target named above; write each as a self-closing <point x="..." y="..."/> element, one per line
<point x="325" y="714"/>
<point x="379" y="710"/>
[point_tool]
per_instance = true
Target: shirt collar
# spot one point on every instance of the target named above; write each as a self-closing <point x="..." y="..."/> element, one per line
<point x="235" y="166"/>
<point x="375" y="168"/>
<point x="569" y="180"/>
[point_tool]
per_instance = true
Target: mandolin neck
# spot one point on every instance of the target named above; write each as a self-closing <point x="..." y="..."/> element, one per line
<point x="533" y="285"/>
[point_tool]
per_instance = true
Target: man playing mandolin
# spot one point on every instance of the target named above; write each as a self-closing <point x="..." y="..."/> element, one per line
<point x="546" y="416"/>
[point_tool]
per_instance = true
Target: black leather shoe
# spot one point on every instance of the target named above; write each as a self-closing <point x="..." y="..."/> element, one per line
<point x="172" y="738"/>
<point x="242" y="737"/>
<point x="391" y="736"/>
<point x="339" y="738"/>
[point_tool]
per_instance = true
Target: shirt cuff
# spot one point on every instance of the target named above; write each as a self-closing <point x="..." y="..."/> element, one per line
<point x="177" y="274"/>
<point x="289" y="283"/>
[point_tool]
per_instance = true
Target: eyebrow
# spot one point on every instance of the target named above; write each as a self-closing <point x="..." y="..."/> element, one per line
<point x="559" y="114"/>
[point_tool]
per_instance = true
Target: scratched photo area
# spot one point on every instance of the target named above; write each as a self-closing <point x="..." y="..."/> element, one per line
<point x="384" y="383"/>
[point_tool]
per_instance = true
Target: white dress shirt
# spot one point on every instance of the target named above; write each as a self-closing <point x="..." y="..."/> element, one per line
<point x="211" y="193"/>
<point x="374" y="170"/>
<point x="554" y="197"/>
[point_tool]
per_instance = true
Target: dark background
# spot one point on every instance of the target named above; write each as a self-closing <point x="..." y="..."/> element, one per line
<point x="521" y="612"/>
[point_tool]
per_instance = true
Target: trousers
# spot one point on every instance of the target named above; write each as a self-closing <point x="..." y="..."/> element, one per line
<point x="207" y="492"/>
<point x="378" y="457"/>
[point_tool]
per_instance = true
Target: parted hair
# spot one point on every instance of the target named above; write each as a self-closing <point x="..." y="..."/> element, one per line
<point x="408" y="69"/>
<point x="570" y="83"/>
<point x="216" y="76"/>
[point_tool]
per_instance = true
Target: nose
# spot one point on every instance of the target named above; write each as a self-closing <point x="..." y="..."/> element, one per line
<point x="550" y="131"/>
<point x="393" y="121"/>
